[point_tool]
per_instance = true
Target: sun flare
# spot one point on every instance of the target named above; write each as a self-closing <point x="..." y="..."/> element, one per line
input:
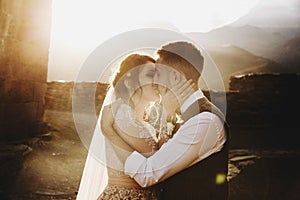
<point x="79" y="26"/>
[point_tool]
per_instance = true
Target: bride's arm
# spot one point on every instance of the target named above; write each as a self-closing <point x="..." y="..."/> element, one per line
<point x="137" y="136"/>
<point x="109" y="132"/>
<point x="123" y="142"/>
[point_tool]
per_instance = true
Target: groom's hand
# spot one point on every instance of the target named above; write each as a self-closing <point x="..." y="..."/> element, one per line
<point x="177" y="95"/>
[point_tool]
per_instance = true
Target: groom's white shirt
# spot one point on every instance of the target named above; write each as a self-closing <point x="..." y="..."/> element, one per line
<point x="199" y="137"/>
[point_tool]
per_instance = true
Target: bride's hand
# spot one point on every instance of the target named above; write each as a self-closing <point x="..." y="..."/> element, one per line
<point x="177" y="95"/>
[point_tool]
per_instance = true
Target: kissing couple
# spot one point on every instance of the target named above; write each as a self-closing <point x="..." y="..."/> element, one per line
<point x="161" y="137"/>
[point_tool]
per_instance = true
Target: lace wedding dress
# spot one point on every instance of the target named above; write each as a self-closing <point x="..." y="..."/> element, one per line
<point x="121" y="186"/>
<point x="103" y="176"/>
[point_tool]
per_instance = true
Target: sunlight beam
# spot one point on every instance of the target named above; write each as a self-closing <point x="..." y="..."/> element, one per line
<point x="79" y="26"/>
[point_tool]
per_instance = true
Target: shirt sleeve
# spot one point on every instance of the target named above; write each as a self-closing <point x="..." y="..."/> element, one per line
<point x="196" y="139"/>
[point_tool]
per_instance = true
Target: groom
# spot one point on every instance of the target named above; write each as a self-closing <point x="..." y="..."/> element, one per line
<point x="193" y="164"/>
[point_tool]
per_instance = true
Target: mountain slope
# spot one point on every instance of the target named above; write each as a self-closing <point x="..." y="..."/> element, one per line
<point x="272" y="13"/>
<point x="258" y="41"/>
<point x="232" y="60"/>
<point x="289" y="55"/>
<point x="268" y="26"/>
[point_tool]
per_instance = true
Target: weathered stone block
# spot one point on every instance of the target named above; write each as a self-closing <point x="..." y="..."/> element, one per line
<point x="26" y="112"/>
<point x="13" y="130"/>
<point x="28" y="68"/>
<point x="5" y="70"/>
<point x="2" y="91"/>
<point x="2" y="114"/>
<point x="24" y="48"/>
<point x="40" y="110"/>
<point x="17" y="91"/>
<point x="39" y="91"/>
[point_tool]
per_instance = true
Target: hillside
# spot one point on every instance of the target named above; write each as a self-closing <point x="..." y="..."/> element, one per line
<point x="258" y="41"/>
<point x="232" y="60"/>
<point x="272" y="13"/>
<point x="289" y="55"/>
<point x="270" y="30"/>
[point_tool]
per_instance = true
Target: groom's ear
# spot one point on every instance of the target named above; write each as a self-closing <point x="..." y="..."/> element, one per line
<point x="174" y="77"/>
<point x="126" y="83"/>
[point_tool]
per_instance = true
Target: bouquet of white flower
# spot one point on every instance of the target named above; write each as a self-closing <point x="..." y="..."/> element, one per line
<point x="165" y="127"/>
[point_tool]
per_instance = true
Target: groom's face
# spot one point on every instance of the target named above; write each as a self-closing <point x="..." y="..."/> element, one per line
<point x="162" y="76"/>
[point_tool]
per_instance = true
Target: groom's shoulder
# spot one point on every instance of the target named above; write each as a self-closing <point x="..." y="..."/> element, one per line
<point x="205" y="117"/>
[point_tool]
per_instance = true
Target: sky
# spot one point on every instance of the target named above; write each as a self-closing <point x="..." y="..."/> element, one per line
<point x="79" y="26"/>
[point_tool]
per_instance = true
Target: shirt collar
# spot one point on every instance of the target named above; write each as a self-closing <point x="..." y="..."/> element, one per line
<point x="194" y="97"/>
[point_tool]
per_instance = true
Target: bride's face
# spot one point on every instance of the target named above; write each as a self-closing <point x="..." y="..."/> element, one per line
<point x="146" y="75"/>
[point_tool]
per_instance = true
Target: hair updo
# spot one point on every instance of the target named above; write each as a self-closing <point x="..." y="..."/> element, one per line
<point x="127" y="72"/>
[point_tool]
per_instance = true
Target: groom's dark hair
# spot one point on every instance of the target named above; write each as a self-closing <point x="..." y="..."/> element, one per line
<point x="184" y="57"/>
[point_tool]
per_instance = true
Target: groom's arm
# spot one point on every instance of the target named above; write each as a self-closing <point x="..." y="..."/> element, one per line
<point x="198" y="138"/>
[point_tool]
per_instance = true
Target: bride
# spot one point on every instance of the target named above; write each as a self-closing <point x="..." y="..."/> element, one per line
<point x="136" y="120"/>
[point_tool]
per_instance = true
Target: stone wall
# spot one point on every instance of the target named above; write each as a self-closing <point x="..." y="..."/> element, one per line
<point x="24" y="48"/>
<point x="259" y="107"/>
<point x="264" y="98"/>
<point x="264" y="110"/>
<point x="59" y="95"/>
